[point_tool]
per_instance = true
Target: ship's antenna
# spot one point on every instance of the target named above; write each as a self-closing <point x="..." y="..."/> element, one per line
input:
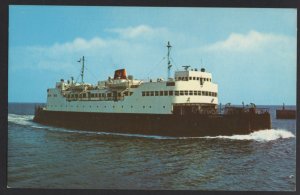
<point x="82" y="68"/>
<point x="169" y="62"/>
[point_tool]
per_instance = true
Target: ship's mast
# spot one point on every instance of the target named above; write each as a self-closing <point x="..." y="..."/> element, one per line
<point x="169" y="62"/>
<point x="82" y="68"/>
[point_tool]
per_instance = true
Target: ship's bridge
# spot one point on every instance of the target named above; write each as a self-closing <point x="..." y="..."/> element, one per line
<point x="193" y="74"/>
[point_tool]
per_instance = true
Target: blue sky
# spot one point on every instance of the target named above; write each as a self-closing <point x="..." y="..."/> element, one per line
<point x="250" y="52"/>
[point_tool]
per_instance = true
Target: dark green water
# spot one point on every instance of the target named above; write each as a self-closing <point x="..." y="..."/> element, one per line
<point x="48" y="157"/>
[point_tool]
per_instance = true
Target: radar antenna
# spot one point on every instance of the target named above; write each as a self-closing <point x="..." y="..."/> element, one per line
<point x="169" y="62"/>
<point x="82" y="68"/>
<point x="186" y="67"/>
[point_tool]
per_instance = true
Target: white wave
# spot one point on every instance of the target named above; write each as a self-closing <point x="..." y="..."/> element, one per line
<point x="20" y="119"/>
<point x="260" y="136"/>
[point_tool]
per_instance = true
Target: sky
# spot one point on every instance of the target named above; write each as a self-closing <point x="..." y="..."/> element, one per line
<point x="251" y="52"/>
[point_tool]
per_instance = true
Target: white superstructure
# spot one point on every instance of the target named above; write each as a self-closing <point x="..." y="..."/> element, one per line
<point x="122" y="94"/>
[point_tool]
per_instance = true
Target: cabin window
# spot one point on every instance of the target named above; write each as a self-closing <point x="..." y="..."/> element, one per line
<point x="186" y="92"/>
<point x="147" y="93"/>
<point x="209" y="93"/>
<point x="186" y="78"/>
<point x="170" y="84"/>
<point x="151" y="93"/>
<point x="176" y="93"/>
<point x="92" y="95"/>
<point x="198" y="78"/>
<point x="195" y="92"/>
<point x="143" y="93"/>
<point x="84" y="95"/>
<point x="194" y="78"/>
<point x="181" y="93"/>
<point x="156" y="93"/>
<point x="216" y="94"/>
<point x="165" y="93"/>
<point x="190" y="78"/>
<point x="199" y="92"/>
<point x="170" y="93"/>
<point x="119" y="94"/>
<point x="131" y="93"/>
<point x="109" y="95"/>
<point x="190" y="92"/>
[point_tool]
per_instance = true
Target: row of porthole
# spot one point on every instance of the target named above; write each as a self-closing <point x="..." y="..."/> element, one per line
<point x="97" y="106"/>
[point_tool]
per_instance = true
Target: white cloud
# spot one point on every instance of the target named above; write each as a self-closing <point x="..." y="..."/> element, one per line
<point x="253" y="41"/>
<point x="144" y="31"/>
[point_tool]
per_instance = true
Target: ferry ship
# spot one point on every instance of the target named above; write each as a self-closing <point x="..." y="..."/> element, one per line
<point x="185" y="105"/>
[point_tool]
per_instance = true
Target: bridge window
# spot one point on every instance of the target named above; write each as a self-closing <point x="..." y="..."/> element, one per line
<point x="198" y="78"/>
<point x="190" y="78"/>
<point x="151" y="93"/>
<point x="186" y="92"/>
<point x="190" y="92"/>
<point x="194" y="78"/>
<point x="209" y="93"/>
<point x="147" y="93"/>
<point x="181" y="93"/>
<point x="199" y="92"/>
<point x="165" y="93"/>
<point x="161" y="93"/>
<point x="176" y="93"/>
<point x="170" y="93"/>
<point x="143" y="93"/>
<point x="156" y="93"/>
<point x="195" y="92"/>
<point x="186" y="78"/>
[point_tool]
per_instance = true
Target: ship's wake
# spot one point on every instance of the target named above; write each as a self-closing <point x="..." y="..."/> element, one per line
<point x="260" y="136"/>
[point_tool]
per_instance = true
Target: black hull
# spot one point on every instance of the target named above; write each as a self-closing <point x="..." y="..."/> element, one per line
<point x="193" y="125"/>
<point x="286" y="114"/>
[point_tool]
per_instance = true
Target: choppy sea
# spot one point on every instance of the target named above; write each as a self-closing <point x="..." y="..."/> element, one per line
<point x="49" y="157"/>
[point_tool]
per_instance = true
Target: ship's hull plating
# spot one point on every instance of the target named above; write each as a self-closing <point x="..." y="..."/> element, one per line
<point x="193" y="125"/>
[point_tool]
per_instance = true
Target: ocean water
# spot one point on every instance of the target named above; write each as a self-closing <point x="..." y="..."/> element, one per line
<point x="48" y="157"/>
